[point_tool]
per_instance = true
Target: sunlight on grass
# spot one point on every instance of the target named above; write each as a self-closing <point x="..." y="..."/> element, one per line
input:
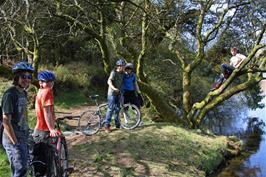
<point x="69" y="99"/>
<point x="4" y="164"/>
<point x="154" y="150"/>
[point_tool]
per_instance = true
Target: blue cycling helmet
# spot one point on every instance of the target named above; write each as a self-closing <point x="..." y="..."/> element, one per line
<point x="22" y="66"/>
<point x="46" y="76"/>
<point x="120" y="62"/>
<point x="129" y="66"/>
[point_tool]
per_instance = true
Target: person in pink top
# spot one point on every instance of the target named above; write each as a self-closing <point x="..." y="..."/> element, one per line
<point x="227" y="69"/>
<point x="44" y="106"/>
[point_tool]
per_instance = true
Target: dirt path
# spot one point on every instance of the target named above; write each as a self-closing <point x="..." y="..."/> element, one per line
<point x="77" y="141"/>
<point x="74" y="138"/>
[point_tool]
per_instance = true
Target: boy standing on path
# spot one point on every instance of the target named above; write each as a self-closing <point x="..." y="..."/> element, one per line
<point x="115" y="83"/>
<point x="44" y="106"/>
<point x="130" y="86"/>
<point x="14" y="107"/>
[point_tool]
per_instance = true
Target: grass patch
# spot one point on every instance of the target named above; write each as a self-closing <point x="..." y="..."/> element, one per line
<point x="68" y="99"/>
<point x="153" y="150"/>
<point x="4" y="164"/>
<point x="4" y="85"/>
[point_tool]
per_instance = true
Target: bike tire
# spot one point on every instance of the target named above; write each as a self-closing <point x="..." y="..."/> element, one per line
<point x="102" y="112"/>
<point x="64" y="158"/>
<point x="54" y="167"/>
<point x="31" y="170"/>
<point x="89" y="123"/>
<point x="129" y="116"/>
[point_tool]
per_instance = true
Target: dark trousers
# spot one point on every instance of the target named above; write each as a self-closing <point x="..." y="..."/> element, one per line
<point x="226" y="72"/>
<point x="131" y="97"/>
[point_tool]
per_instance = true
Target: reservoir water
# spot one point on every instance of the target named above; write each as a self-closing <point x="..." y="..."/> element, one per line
<point x="255" y="164"/>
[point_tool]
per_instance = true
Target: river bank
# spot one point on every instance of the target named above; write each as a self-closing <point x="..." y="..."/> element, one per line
<point x="151" y="150"/>
<point x="252" y="160"/>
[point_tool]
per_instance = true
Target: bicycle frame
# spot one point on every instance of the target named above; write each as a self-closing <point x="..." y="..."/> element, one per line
<point x="122" y="106"/>
<point x="56" y="143"/>
<point x="91" y="121"/>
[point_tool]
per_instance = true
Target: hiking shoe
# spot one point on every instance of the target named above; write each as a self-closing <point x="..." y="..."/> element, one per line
<point x="213" y="89"/>
<point x="117" y="126"/>
<point x="108" y="130"/>
<point x="217" y="86"/>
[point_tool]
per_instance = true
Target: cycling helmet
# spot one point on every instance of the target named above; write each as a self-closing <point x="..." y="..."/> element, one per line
<point x="120" y="62"/>
<point x="129" y="66"/>
<point x="46" y="76"/>
<point x="22" y="66"/>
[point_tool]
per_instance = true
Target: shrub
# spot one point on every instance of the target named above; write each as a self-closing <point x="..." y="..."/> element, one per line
<point x="78" y="75"/>
<point x="5" y="72"/>
<point x="70" y="77"/>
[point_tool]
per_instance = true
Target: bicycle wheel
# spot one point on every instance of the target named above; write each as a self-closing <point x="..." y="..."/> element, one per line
<point x="102" y="109"/>
<point x="129" y="116"/>
<point x="89" y="123"/>
<point x="54" y="169"/>
<point x="63" y="157"/>
<point x="31" y="170"/>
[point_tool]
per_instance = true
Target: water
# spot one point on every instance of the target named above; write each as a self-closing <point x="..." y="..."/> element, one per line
<point x="255" y="164"/>
<point x="257" y="161"/>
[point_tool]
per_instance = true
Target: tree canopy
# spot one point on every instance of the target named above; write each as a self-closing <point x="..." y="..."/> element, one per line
<point x="176" y="46"/>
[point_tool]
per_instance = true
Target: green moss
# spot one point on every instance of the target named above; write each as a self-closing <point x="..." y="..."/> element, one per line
<point x="68" y="99"/>
<point x="154" y="150"/>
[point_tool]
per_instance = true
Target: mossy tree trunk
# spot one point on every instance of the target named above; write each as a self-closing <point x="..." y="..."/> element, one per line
<point x="22" y="25"/>
<point x="213" y="99"/>
<point x="102" y="42"/>
<point x="193" y="113"/>
<point x="166" y="111"/>
<point x="95" y="28"/>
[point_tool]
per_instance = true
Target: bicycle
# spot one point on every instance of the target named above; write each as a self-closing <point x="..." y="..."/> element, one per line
<point x="90" y="122"/>
<point x="55" y="161"/>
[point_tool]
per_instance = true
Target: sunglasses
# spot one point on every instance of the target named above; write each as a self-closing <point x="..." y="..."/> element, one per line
<point x="43" y="81"/>
<point x="26" y="76"/>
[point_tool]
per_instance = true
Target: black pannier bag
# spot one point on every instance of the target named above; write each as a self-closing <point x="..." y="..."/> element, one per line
<point x="40" y="154"/>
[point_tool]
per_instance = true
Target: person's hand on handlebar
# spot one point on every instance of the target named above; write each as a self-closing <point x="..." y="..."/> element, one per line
<point x="116" y="90"/>
<point x="54" y="133"/>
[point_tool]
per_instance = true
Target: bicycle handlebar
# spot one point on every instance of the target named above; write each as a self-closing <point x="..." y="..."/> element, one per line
<point x="66" y="117"/>
<point x="94" y="97"/>
<point x="60" y="112"/>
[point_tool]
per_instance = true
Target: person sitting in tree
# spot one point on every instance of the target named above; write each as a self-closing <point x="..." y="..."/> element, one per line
<point x="227" y="69"/>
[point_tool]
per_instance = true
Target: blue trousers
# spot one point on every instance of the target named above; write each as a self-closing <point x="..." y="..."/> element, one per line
<point x="113" y="106"/>
<point x="227" y="71"/>
<point x="17" y="156"/>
